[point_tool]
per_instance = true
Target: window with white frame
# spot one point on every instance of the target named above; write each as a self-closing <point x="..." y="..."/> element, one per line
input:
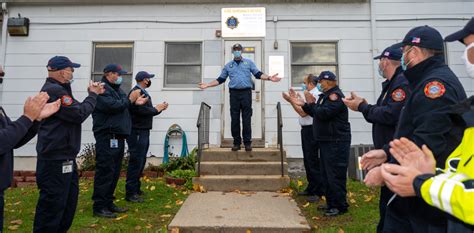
<point x="120" y="53"/>
<point x="312" y="58"/>
<point x="183" y="64"/>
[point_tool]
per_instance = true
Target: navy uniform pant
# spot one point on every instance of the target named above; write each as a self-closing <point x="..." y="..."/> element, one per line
<point x="241" y="102"/>
<point x="334" y="162"/>
<point x="138" y="144"/>
<point x="107" y="170"/>
<point x="58" y="195"/>
<point x="385" y="195"/>
<point x="311" y="161"/>
<point x="2" y="205"/>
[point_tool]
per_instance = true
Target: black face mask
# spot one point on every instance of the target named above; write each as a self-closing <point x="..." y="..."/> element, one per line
<point x="1" y="76"/>
<point x="149" y="83"/>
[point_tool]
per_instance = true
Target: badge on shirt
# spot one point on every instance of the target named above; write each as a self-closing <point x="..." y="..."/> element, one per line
<point x="67" y="167"/>
<point x="333" y="97"/>
<point x="66" y="100"/>
<point x="434" y="90"/>
<point x="398" y="95"/>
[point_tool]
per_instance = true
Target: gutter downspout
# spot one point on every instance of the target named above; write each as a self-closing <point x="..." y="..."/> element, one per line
<point x="375" y="52"/>
<point x="3" y="48"/>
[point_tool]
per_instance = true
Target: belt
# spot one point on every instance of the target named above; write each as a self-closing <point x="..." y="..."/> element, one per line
<point x="243" y="89"/>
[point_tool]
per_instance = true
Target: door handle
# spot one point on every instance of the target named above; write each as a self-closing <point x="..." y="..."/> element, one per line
<point x="257" y="96"/>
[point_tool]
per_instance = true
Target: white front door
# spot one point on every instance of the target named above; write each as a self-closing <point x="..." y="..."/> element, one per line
<point x="251" y="50"/>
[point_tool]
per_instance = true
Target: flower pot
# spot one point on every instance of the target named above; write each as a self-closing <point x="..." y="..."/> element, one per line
<point x="176" y="181"/>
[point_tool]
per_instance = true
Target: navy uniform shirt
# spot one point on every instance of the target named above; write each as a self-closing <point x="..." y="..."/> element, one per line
<point x="59" y="136"/>
<point x="12" y="135"/>
<point x="425" y="120"/>
<point x="142" y="115"/>
<point x="385" y="114"/>
<point x="240" y="74"/>
<point x="330" y="116"/>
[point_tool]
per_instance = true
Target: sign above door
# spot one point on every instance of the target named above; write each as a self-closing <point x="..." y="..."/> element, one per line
<point x="243" y="22"/>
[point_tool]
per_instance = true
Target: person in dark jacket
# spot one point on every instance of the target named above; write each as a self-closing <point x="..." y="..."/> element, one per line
<point x="111" y="125"/>
<point x="423" y="120"/>
<point x="14" y="134"/>
<point x="384" y="115"/>
<point x="139" y="139"/>
<point x="59" y="142"/>
<point x="333" y="133"/>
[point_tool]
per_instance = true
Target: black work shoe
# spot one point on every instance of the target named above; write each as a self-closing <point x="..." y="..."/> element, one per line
<point x="334" y="212"/>
<point x="104" y="213"/>
<point x="115" y="209"/>
<point x="141" y="193"/>
<point x="322" y="207"/>
<point x="236" y="148"/>
<point x="313" y="199"/>
<point x="135" y="199"/>
<point x="248" y="147"/>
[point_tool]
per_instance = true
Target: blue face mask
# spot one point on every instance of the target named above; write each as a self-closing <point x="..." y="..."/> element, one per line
<point x="119" y="80"/>
<point x="402" y="61"/>
<point x="237" y="53"/>
<point x="303" y="87"/>
<point x="319" y="87"/>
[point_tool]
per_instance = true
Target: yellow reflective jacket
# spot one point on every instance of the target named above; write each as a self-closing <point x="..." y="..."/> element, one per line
<point x="453" y="190"/>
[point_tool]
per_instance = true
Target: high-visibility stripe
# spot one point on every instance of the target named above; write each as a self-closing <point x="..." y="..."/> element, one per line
<point x="435" y="187"/>
<point x="447" y="191"/>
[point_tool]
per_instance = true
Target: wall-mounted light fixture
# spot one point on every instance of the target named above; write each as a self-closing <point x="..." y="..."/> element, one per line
<point x="18" y="26"/>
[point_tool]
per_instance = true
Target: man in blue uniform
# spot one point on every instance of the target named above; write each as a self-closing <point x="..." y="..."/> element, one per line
<point x="240" y="88"/>
<point x="14" y="134"/>
<point x="59" y="142"/>
<point x="111" y="125"/>
<point x="139" y="139"/>
<point x="384" y="115"/>
<point x="425" y="121"/>
<point x="333" y="133"/>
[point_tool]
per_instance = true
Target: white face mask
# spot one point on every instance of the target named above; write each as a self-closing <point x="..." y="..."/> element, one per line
<point x="469" y="66"/>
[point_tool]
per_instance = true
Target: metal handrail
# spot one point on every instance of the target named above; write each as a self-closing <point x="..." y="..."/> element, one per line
<point x="280" y="136"/>
<point x="202" y="124"/>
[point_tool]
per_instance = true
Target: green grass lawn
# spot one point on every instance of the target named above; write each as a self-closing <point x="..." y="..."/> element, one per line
<point x="363" y="212"/>
<point x="161" y="204"/>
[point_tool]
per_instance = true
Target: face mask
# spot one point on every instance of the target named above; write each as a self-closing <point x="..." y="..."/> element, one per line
<point x="119" y="80"/>
<point x="1" y="80"/>
<point x="469" y="66"/>
<point x="303" y="87"/>
<point x="319" y="87"/>
<point x="380" y="70"/>
<point x="148" y="84"/>
<point x="237" y="54"/>
<point x="405" y="66"/>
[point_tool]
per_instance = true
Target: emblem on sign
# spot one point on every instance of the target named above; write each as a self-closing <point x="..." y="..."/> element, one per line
<point x="232" y="22"/>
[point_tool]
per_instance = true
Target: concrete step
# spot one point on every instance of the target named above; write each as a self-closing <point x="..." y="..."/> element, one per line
<point x="259" y="212"/>
<point x="257" y="154"/>
<point x="243" y="182"/>
<point x="243" y="168"/>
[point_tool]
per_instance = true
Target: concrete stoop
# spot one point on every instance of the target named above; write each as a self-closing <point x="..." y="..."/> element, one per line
<point x="258" y="170"/>
<point x="232" y="212"/>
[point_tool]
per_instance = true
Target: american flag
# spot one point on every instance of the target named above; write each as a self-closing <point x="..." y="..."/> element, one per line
<point x="415" y="40"/>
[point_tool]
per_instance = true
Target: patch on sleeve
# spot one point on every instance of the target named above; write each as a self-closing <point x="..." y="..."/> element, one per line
<point x="66" y="100"/>
<point x="399" y="95"/>
<point x="333" y="97"/>
<point x="434" y="90"/>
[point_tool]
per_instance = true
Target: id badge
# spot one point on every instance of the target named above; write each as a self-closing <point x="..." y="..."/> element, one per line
<point x="67" y="167"/>
<point x="113" y="143"/>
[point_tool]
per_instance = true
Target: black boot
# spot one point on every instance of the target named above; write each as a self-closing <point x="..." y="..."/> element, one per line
<point x="236" y="148"/>
<point x="104" y="213"/>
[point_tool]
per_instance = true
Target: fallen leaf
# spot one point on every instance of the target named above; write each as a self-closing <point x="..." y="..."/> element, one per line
<point x="248" y="231"/>
<point x="368" y="198"/>
<point x="340" y="230"/>
<point x="174" y="230"/>
<point x="121" y="217"/>
<point x="138" y="228"/>
<point x="352" y="201"/>
<point x="13" y="227"/>
<point x="306" y="205"/>
<point x="152" y="188"/>
<point x="179" y="202"/>
<point x="148" y="226"/>
<point x="299" y="183"/>
<point x="168" y="206"/>
<point x="17" y="222"/>
<point x="93" y="225"/>
<point x="17" y="203"/>
<point x="165" y="216"/>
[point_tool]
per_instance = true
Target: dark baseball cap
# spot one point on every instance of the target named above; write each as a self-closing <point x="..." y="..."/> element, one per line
<point x="394" y="52"/>
<point x="423" y="37"/>
<point x="463" y="33"/>
<point x="237" y="46"/>
<point x="61" y="62"/>
<point x="327" y="75"/>
<point x="143" y="75"/>
<point x="114" y="68"/>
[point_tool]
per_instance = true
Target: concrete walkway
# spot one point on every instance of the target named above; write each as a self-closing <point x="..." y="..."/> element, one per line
<point x="241" y="212"/>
